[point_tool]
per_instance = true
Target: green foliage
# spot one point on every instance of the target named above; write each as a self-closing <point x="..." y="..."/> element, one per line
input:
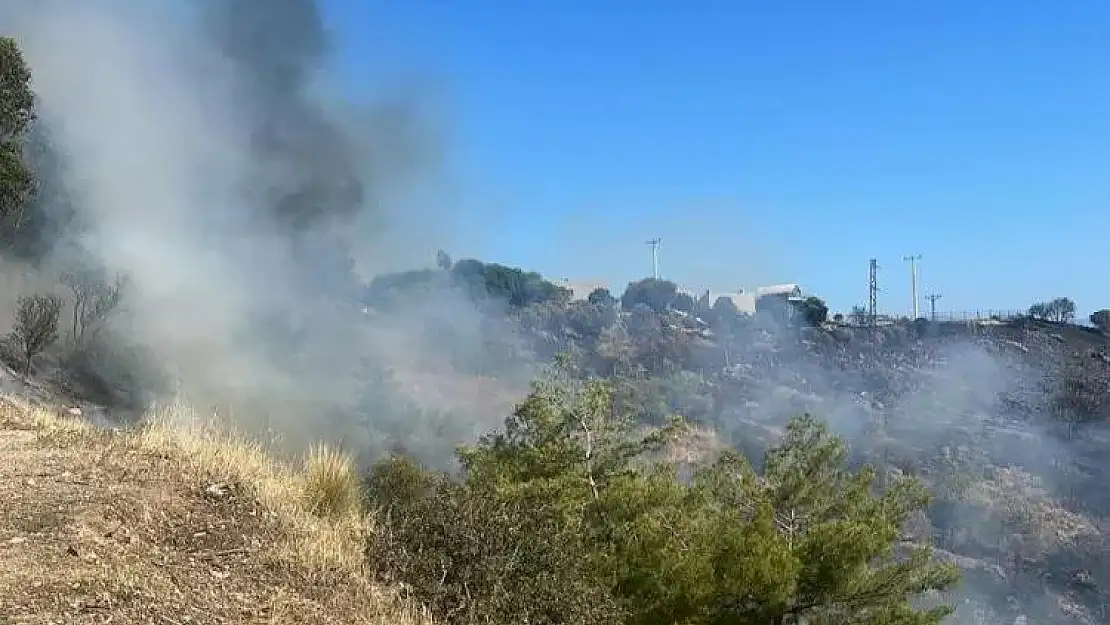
<point x="658" y="295"/>
<point x="813" y="311"/>
<point x="17" y="114"/>
<point x="568" y="514"/>
<point x="601" y="295"/>
<point x="476" y="555"/>
<point x="480" y="281"/>
<point x="393" y="291"/>
<point x="1059" y="310"/>
<point x="36" y="326"/>
<point x="517" y="287"/>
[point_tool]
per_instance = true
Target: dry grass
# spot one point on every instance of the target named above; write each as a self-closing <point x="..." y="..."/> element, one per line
<point x="178" y="522"/>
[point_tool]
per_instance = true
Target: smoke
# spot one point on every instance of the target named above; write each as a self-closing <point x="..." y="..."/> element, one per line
<point x="964" y="409"/>
<point x="204" y="160"/>
<point x="195" y="149"/>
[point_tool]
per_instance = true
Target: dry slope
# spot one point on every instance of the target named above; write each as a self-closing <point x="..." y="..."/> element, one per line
<point x="172" y="525"/>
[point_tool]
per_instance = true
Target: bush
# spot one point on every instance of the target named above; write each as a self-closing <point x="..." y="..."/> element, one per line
<point x="567" y="515"/>
<point x="473" y="555"/>
<point x="813" y="311"/>
<point x="331" y="487"/>
<point x="36" y="326"/>
<point x="601" y="297"/>
<point x="656" y="294"/>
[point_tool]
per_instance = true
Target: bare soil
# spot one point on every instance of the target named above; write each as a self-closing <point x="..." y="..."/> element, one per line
<point x="96" y="527"/>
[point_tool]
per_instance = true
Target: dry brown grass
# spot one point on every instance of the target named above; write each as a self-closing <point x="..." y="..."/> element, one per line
<point x="178" y="522"/>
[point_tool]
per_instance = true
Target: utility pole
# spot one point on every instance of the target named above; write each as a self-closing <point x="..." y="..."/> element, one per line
<point x="654" y="243"/>
<point x="933" y="297"/>
<point x="913" y="281"/>
<point x="873" y="293"/>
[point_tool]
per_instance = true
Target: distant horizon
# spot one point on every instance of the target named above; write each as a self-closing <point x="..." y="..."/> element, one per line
<point x="765" y="143"/>
<point x="924" y="306"/>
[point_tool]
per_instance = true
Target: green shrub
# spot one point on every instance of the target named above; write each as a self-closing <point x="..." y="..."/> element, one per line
<point x="566" y="516"/>
<point x="474" y="556"/>
<point x="813" y="311"/>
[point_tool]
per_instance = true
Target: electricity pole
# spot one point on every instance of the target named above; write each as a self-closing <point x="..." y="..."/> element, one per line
<point x="913" y="281"/>
<point x="873" y="293"/>
<point x="654" y="243"/>
<point x="933" y="297"/>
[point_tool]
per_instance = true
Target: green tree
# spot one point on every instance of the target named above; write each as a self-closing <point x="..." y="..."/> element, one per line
<point x="1062" y="309"/>
<point x="656" y="294"/>
<point x="813" y="311"/>
<point x="1059" y="310"/>
<point x="807" y="541"/>
<point x="601" y="295"/>
<point x="17" y="114"/>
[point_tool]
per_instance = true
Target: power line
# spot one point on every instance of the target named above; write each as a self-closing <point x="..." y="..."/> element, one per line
<point x="933" y="297"/>
<point x="654" y="243"/>
<point x="913" y="281"/>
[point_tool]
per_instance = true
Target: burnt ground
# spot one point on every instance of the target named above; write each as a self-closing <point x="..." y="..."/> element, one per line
<point x="1008" y="422"/>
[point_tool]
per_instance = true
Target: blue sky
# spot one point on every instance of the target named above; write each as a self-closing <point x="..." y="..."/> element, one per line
<point x="766" y="145"/>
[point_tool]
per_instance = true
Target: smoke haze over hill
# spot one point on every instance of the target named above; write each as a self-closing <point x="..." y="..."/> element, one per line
<point x="201" y="158"/>
<point x="193" y="149"/>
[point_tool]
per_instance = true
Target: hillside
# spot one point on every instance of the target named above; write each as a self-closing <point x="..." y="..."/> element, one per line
<point x="162" y="526"/>
<point x="1006" y="421"/>
<point x="221" y="229"/>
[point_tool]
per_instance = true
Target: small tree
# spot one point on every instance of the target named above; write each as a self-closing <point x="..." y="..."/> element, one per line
<point x="1059" y="310"/>
<point x="601" y="295"/>
<point x="1063" y="309"/>
<point x="36" y="326"/>
<point x="1101" y="319"/>
<point x="93" y="301"/>
<point x="654" y="293"/>
<point x="813" y="311"/>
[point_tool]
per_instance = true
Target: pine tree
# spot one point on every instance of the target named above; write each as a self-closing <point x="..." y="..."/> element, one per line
<point x="806" y="541"/>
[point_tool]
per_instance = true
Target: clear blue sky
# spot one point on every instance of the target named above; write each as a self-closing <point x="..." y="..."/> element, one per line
<point x="765" y="145"/>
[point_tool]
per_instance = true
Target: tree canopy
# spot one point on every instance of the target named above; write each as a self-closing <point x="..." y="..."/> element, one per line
<point x="629" y="540"/>
<point x="17" y="114"/>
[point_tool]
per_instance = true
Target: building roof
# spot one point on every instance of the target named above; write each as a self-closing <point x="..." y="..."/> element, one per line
<point x="790" y="290"/>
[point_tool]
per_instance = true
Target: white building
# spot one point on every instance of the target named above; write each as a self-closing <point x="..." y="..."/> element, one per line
<point x="745" y="301"/>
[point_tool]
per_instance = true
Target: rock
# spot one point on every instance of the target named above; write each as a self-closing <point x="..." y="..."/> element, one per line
<point x="218" y="490"/>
